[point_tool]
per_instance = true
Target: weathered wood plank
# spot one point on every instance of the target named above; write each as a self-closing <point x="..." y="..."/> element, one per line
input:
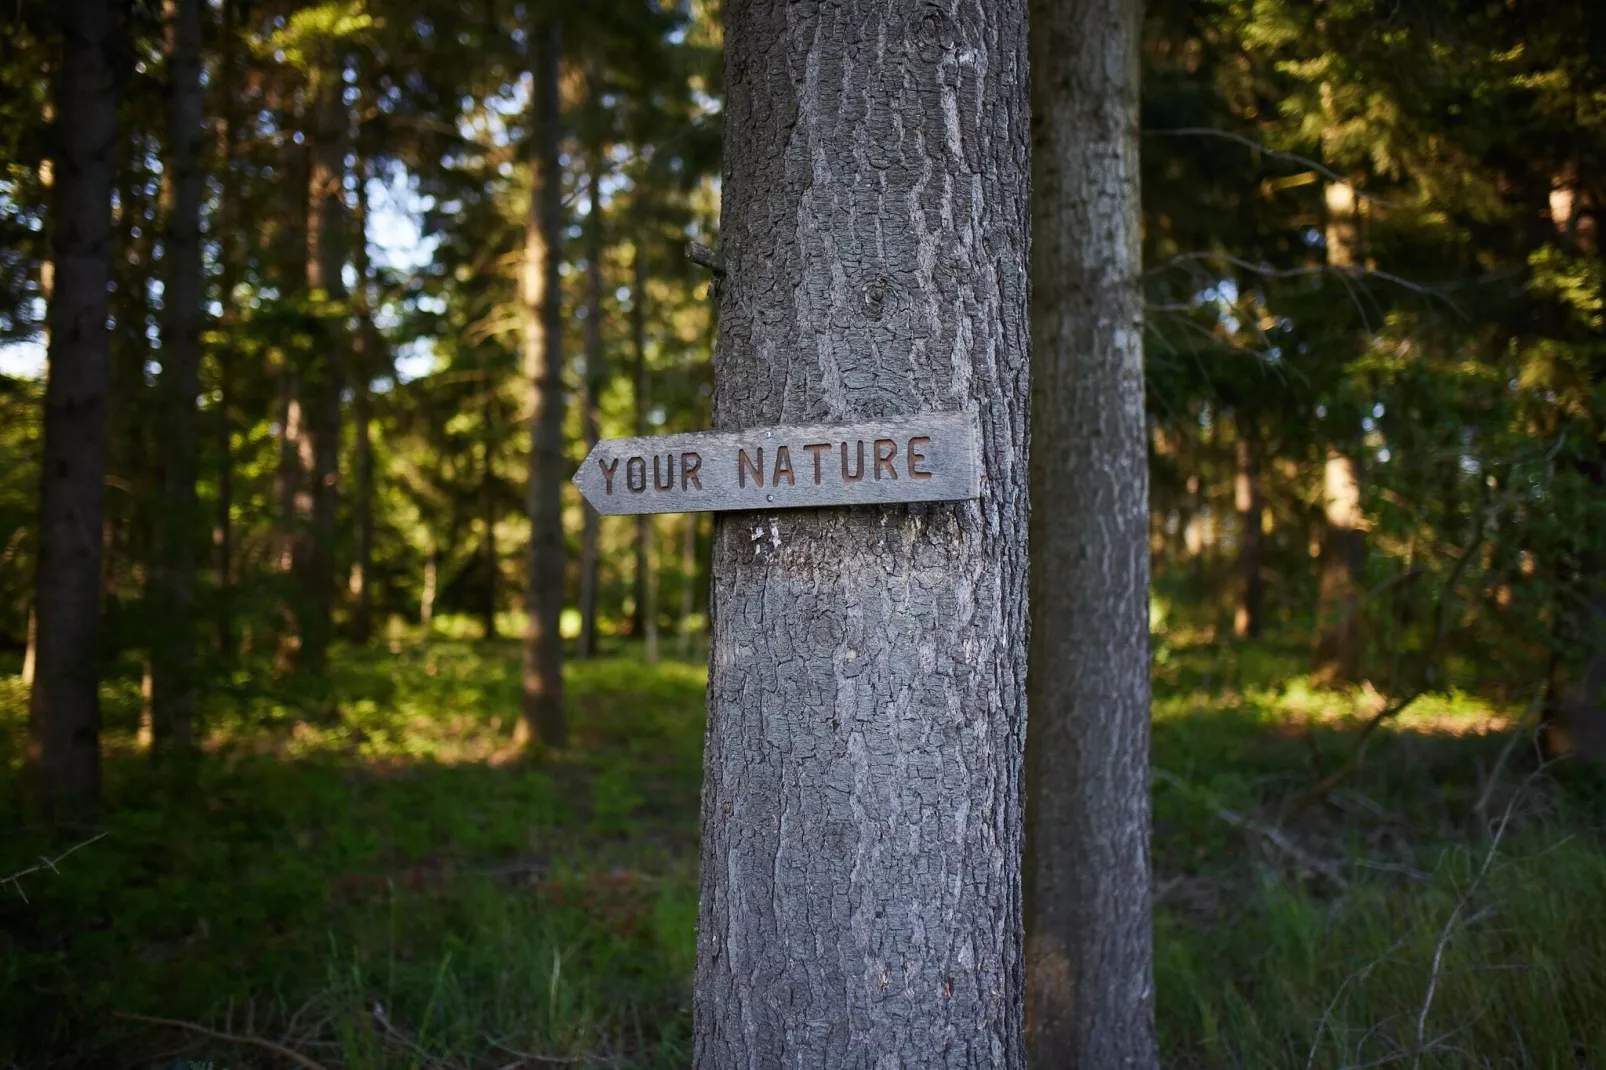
<point x="927" y="458"/>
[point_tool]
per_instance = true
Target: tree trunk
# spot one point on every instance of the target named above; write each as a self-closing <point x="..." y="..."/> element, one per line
<point x="1251" y="506"/>
<point x="64" y="707"/>
<point x="1090" y="986"/>
<point x="488" y="507"/>
<point x="172" y="580"/>
<point x="594" y="378"/>
<point x="860" y="898"/>
<point x="229" y="252"/>
<point x="365" y="366"/>
<point x="1337" y="648"/>
<point x="640" y="397"/>
<point x="426" y="600"/>
<point x="542" y="683"/>
<point x="646" y="580"/>
<point x="323" y="377"/>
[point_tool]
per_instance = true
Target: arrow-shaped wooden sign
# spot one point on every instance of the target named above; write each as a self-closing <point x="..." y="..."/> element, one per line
<point x="931" y="458"/>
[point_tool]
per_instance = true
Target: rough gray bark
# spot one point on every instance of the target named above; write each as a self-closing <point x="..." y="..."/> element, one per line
<point x="1090" y="991"/>
<point x="595" y="378"/>
<point x="172" y="580"/>
<point x="324" y="368"/>
<point x="64" y="707"/>
<point x="861" y="806"/>
<point x="542" y="680"/>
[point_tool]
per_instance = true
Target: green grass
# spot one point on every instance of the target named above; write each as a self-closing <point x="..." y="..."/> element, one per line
<point x="391" y="887"/>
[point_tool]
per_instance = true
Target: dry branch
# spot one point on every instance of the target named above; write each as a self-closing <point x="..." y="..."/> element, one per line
<point x="15" y="880"/>
<point x="231" y="1038"/>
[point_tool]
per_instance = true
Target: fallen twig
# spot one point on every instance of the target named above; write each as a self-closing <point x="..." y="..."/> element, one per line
<point x="1271" y="834"/>
<point x="1455" y="915"/>
<point x="231" y="1038"/>
<point x="15" y="880"/>
<point x="537" y="1057"/>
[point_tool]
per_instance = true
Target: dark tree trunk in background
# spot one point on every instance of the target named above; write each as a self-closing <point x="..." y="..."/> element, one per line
<point x="172" y="579"/>
<point x="1336" y="651"/>
<point x="646" y="579"/>
<point x="1251" y="507"/>
<point x="1338" y="638"/>
<point x="1090" y="987"/>
<point x="639" y="396"/>
<point x="64" y="707"/>
<point x="365" y="365"/>
<point x="324" y="368"/>
<point x="595" y="377"/>
<point x="860" y="900"/>
<point x="229" y="254"/>
<point x="542" y="681"/>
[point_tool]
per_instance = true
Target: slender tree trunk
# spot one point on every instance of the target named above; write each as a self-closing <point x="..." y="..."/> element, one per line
<point x="426" y="601"/>
<point x="323" y="378"/>
<point x="861" y="805"/>
<point x="488" y="506"/>
<point x="31" y="651"/>
<point x="1090" y="985"/>
<point x="646" y="580"/>
<point x="1251" y="506"/>
<point x="641" y="398"/>
<point x="1337" y="648"/>
<point x="542" y="699"/>
<point x="229" y="252"/>
<point x="1337" y="645"/>
<point x="364" y="366"/>
<point x="64" y="708"/>
<point x="172" y="580"/>
<point x="47" y="290"/>
<point x="595" y="376"/>
<point x="688" y="588"/>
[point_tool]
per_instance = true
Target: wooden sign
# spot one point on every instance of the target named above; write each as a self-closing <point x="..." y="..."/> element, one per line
<point x="930" y="458"/>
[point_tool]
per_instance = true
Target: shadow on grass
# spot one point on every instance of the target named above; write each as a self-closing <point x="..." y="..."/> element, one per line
<point x="1396" y="922"/>
<point x="389" y="886"/>
<point x="392" y="886"/>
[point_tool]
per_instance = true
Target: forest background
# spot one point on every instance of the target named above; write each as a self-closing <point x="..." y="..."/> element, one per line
<point x="1374" y="355"/>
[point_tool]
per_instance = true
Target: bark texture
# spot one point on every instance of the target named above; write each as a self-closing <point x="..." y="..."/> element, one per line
<point x="173" y="577"/>
<point x="861" y="811"/>
<point x="64" y="706"/>
<point x="1090" y="990"/>
<point x="542" y="698"/>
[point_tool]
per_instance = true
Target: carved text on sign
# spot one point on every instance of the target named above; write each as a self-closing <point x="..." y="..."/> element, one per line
<point x="932" y="457"/>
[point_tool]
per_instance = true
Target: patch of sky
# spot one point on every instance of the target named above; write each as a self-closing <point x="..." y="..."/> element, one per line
<point x="395" y="233"/>
<point x="415" y="359"/>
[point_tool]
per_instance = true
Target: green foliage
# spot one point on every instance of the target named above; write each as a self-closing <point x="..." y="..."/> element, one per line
<point x="403" y="859"/>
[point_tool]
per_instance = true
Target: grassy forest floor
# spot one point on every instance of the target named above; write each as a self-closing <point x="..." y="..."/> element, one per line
<point x="391" y="887"/>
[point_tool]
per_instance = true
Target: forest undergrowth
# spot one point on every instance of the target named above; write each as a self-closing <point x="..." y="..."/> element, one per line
<point x="372" y="877"/>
